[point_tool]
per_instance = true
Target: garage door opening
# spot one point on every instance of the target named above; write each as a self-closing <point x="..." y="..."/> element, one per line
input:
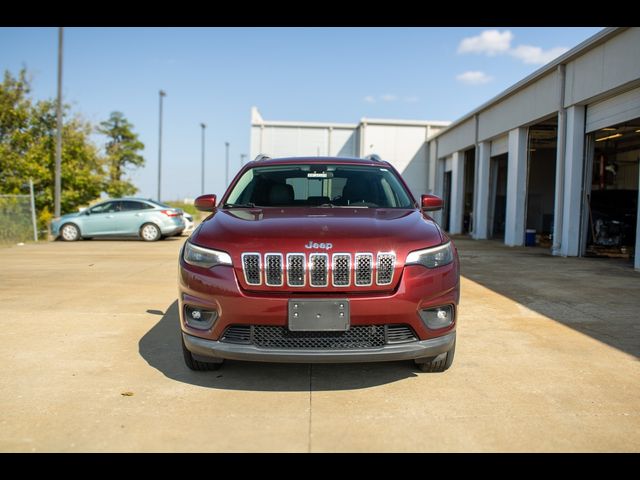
<point x="468" y="190"/>
<point x="541" y="183"/>
<point x="611" y="198"/>
<point x="498" y="196"/>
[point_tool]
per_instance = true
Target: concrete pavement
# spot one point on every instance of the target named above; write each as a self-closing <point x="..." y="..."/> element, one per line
<point x="90" y="360"/>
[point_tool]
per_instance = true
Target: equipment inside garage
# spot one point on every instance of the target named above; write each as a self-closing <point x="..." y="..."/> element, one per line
<point x="541" y="184"/>
<point x="612" y="203"/>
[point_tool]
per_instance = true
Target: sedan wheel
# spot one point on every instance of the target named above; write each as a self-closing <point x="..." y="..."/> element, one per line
<point x="150" y="232"/>
<point x="70" y="232"/>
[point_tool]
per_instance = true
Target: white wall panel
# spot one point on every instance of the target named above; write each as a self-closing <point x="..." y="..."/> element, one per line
<point x="611" y="65"/>
<point x="500" y="145"/>
<point x="459" y="138"/>
<point x="530" y="104"/>
<point x="620" y="108"/>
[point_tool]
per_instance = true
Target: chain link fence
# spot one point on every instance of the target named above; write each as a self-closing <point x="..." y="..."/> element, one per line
<point x="16" y="219"/>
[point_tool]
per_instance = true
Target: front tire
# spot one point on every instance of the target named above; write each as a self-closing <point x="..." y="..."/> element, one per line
<point x="69" y="232"/>
<point x="196" y="365"/>
<point x="150" y="232"/>
<point x="439" y="363"/>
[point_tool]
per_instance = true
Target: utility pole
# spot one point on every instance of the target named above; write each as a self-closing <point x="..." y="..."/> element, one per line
<point x="58" y="166"/>
<point x="202" y="173"/>
<point x="226" y="144"/>
<point x="162" y="94"/>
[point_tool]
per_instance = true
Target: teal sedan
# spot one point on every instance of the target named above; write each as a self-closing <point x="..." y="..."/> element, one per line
<point x="139" y="217"/>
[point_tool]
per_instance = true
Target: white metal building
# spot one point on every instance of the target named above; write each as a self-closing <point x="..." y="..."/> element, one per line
<point x="401" y="142"/>
<point x="557" y="153"/>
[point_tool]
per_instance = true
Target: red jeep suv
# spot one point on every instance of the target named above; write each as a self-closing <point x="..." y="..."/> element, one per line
<point x="318" y="260"/>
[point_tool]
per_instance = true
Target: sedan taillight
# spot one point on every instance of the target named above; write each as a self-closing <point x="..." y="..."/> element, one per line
<point x="171" y="213"/>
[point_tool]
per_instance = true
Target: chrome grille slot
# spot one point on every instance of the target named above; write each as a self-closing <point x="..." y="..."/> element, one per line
<point x="318" y="269"/>
<point x="251" y="267"/>
<point x="363" y="267"/>
<point x="341" y="269"/>
<point x="385" y="265"/>
<point x="273" y="269"/>
<point x="295" y="269"/>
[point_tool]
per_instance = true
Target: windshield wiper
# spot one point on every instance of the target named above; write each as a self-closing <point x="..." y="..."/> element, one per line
<point x="239" y="205"/>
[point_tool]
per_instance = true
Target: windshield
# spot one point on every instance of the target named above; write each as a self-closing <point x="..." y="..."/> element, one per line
<point x="319" y="185"/>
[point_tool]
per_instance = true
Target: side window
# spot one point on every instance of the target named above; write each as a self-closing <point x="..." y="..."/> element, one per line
<point x="102" y="208"/>
<point x="129" y="205"/>
<point x="114" y="207"/>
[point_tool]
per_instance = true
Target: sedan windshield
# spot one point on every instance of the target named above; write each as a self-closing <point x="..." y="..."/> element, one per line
<point x="319" y="186"/>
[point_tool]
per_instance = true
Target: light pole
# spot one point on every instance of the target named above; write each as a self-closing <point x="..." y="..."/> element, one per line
<point x="202" y="174"/>
<point x="226" y="176"/>
<point x="58" y="175"/>
<point x="162" y="94"/>
<point x="242" y="157"/>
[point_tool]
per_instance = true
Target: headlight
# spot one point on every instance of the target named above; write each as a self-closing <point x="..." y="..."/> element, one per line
<point x="432" y="257"/>
<point x="204" y="257"/>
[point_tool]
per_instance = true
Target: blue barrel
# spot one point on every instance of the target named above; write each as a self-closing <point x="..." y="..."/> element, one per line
<point x="530" y="238"/>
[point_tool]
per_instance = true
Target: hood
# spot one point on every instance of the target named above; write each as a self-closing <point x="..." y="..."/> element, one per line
<point x="317" y="230"/>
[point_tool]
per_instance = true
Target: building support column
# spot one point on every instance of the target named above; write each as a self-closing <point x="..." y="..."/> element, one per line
<point x="516" y="187"/>
<point x="481" y="208"/>
<point x="432" y="167"/>
<point x="456" y="209"/>
<point x="438" y="187"/>
<point x="636" y="263"/>
<point x="574" y="161"/>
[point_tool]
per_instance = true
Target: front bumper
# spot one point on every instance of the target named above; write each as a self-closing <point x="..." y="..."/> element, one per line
<point x="204" y="349"/>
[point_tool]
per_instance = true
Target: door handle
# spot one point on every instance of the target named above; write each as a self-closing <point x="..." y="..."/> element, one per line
<point x="109" y="216"/>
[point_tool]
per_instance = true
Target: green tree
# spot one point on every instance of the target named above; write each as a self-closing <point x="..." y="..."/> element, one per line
<point x="27" y="150"/>
<point x="122" y="151"/>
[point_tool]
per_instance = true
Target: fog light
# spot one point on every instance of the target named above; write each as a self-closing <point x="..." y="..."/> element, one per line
<point x="199" y="318"/>
<point x="439" y="317"/>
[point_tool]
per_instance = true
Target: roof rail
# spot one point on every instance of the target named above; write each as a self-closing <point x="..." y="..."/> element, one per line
<point x="374" y="157"/>
<point x="261" y="156"/>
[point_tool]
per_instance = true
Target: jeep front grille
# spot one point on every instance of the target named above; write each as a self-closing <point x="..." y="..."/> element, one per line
<point x="319" y="269"/>
<point x="357" y="337"/>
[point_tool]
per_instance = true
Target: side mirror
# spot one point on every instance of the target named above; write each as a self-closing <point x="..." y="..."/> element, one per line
<point x="87" y="212"/>
<point x="431" y="203"/>
<point x="206" y="203"/>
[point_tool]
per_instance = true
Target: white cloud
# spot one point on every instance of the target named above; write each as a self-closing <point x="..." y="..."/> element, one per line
<point x="369" y="99"/>
<point x="494" y="42"/>
<point x="474" y="78"/>
<point x="388" y="97"/>
<point x="489" y="42"/>
<point x="536" y="55"/>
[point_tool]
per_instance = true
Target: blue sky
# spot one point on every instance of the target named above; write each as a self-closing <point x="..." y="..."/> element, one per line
<point x="215" y="75"/>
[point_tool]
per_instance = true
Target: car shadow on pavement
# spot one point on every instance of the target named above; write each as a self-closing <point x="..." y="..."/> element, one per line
<point x="162" y="350"/>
